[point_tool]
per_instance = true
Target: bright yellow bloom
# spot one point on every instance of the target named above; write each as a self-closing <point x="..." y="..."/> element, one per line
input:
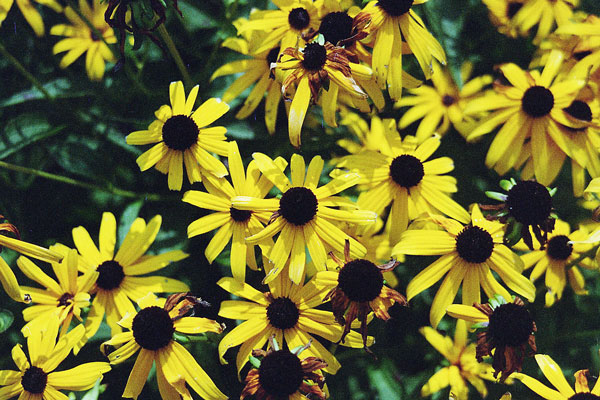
<point x="64" y="298"/>
<point x="469" y="255"/>
<point x="234" y="225"/>
<point x="81" y="39"/>
<point x="530" y="111"/>
<point x="399" y="173"/>
<point x="150" y="331"/>
<point x="182" y="137"/>
<point x="36" y="378"/>
<point x="587" y="51"/>
<point x="554" y="374"/>
<point x="31" y="15"/>
<point x="394" y="23"/>
<point x="304" y="215"/>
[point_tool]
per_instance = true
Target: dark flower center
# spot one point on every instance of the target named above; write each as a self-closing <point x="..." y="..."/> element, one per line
<point x="240" y="215"/>
<point x="152" y="328"/>
<point x="580" y="110"/>
<point x="559" y="247"/>
<point x="510" y="325"/>
<point x="283" y="313"/>
<point x="180" y="132"/>
<point x="34" y="380"/>
<point x="529" y="203"/>
<point x="360" y="280"/>
<point x="448" y="100"/>
<point x="315" y="56"/>
<point x="280" y="374"/>
<point x="272" y="56"/>
<point x="65" y="299"/>
<point x="474" y="244"/>
<point x="111" y="275"/>
<point x="298" y="205"/>
<point x="336" y="26"/>
<point x="407" y="171"/>
<point x="512" y="9"/>
<point x="299" y="18"/>
<point x="584" y="396"/>
<point x="537" y="101"/>
<point x="395" y="8"/>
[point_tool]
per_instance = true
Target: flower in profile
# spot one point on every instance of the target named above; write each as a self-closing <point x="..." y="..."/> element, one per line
<point x="586" y="52"/>
<point x="150" y="331"/>
<point x="394" y="24"/>
<point x="64" y="298"/>
<point x="304" y="215"/>
<point x="529" y="111"/>
<point x="318" y="65"/>
<point x="287" y="311"/>
<point x="506" y="335"/>
<point x="501" y="13"/>
<point x="115" y="276"/>
<point x="559" y="259"/>
<point x="37" y="378"/>
<point x="463" y="366"/>
<point x="399" y="173"/>
<point x="183" y="138"/>
<point x="563" y="391"/>
<point x="30" y="13"/>
<point x="469" y="255"/>
<point x="357" y="289"/>
<point x="443" y="103"/>
<point x="81" y="39"/>
<point x="233" y="224"/>
<point x="280" y="374"/>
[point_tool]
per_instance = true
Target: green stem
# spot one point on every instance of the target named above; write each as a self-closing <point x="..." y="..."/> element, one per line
<point x="89" y="24"/>
<point x="25" y="73"/>
<point x="162" y="31"/>
<point x="70" y="181"/>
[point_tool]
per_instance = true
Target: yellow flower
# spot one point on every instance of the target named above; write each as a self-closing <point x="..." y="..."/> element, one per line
<point x="443" y="103"/>
<point x="399" y="173"/>
<point x="587" y="50"/>
<point x="287" y="311"/>
<point x="394" y="23"/>
<point x="303" y="215"/>
<point x="81" y="39"/>
<point x="64" y="298"/>
<point x="469" y="255"/>
<point x="31" y="15"/>
<point x="181" y="137"/>
<point x="554" y="374"/>
<point x="115" y="276"/>
<point x="232" y="223"/>
<point x="530" y="111"/>
<point x="150" y="331"/>
<point x="36" y="378"/>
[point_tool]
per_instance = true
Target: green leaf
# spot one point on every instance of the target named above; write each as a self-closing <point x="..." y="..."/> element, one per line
<point x="23" y="131"/>
<point x="129" y="215"/>
<point x="383" y="379"/>
<point x="6" y="320"/>
<point x="94" y="392"/>
<point x="195" y="18"/>
<point x="58" y="88"/>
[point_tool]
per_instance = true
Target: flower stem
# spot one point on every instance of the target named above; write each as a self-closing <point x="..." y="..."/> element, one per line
<point x="26" y="74"/>
<point x="70" y="181"/>
<point x="162" y="31"/>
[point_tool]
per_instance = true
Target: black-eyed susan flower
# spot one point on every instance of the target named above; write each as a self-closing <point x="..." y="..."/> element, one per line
<point x="358" y="288"/>
<point x="81" y="39"/>
<point x="255" y="71"/>
<point x="529" y="111"/>
<point x="29" y="11"/>
<point x="234" y="225"/>
<point x="442" y="104"/>
<point x="304" y="216"/>
<point x="507" y="332"/>
<point x="116" y="276"/>
<point x="399" y="173"/>
<point x="469" y="255"/>
<point x="394" y="24"/>
<point x="64" y="298"/>
<point x="307" y="70"/>
<point x="501" y="13"/>
<point x="281" y="374"/>
<point x="563" y="391"/>
<point x="463" y="368"/>
<point x="37" y="378"/>
<point x="150" y="331"/>
<point x="586" y="51"/>
<point x="287" y="311"/>
<point x="183" y="138"/>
